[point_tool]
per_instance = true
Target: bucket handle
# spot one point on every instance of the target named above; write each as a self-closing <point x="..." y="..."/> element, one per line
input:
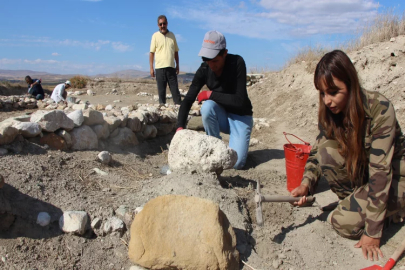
<point x="285" y="134"/>
<point x="298" y="152"/>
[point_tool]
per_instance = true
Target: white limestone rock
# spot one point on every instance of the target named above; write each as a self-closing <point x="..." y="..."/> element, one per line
<point x="83" y="106"/>
<point x="77" y="117"/>
<point x="92" y="117"/>
<point x="52" y="120"/>
<point x="28" y="129"/>
<point x="73" y="222"/>
<point x="102" y="131"/>
<point x="124" y="137"/>
<point x="7" y="132"/>
<point x="191" y="151"/>
<point x="113" y="122"/>
<point x="104" y="157"/>
<point x="114" y="224"/>
<point x="83" y="138"/>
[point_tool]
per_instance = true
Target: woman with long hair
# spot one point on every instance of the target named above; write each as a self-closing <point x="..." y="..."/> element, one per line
<point x="360" y="151"/>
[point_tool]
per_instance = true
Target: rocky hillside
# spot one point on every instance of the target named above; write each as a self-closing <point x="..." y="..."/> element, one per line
<point x="289" y="99"/>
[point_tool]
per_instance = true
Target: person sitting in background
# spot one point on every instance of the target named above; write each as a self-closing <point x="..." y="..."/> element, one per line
<point x="35" y="88"/>
<point x="360" y="151"/>
<point x="227" y="107"/>
<point x="59" y="92"/>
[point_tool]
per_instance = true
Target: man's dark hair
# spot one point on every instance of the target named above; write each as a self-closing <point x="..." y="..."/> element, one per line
<point x="28" y="78"/>
<point x="221" y="52"/>
<point x="162" y="17"/>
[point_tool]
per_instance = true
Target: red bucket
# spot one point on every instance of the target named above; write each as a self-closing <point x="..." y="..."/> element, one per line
<point x="296" y="156"/>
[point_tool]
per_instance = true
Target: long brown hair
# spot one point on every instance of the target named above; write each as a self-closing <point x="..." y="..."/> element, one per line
<point x="346" y="127"/>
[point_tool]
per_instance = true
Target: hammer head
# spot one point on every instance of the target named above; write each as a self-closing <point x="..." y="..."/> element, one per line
<point x="258" y="201"/>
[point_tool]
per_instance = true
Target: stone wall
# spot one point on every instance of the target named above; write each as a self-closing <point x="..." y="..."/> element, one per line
<point x="84" y="126"/>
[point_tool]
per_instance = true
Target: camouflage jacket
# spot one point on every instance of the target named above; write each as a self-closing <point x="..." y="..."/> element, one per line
<point x="384" y="144"/>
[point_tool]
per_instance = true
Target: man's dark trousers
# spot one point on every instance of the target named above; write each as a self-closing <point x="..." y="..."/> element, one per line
<point x="164" y="76"/>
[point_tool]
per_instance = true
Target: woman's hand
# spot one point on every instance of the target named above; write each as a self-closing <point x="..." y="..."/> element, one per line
<point x="370" y="247"/>
<point x="302" y="190"/>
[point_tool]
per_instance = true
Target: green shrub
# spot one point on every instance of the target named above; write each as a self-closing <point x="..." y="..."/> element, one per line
<point x="79" y="82"/>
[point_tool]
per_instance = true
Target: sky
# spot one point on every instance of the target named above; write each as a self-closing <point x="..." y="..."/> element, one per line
<point x="92" y="37"/>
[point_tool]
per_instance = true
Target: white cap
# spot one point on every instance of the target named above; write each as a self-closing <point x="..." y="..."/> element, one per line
<point x="68" y="82"/>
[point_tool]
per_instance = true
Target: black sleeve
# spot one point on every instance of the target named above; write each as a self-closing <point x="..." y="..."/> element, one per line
<point x="195" y="87"/>
<point x="238" y="99"/>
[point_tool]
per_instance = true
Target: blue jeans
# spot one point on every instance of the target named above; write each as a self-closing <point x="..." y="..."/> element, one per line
<point x="239" y="127"/>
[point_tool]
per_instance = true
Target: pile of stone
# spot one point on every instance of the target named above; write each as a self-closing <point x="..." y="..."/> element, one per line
<point x="85" y="129"/>
<point x="253" y="78"/>
<point x="8" y="103"/>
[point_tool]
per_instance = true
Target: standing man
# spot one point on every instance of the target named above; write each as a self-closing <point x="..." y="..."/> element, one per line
<point x="164" y="50"/>
<point x="59" y="92"/>
<point x="227" y="107"/>
<point x="35" y="88"/>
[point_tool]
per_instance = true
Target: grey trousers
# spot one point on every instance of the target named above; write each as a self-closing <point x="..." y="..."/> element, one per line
<point x="164" y="76"/>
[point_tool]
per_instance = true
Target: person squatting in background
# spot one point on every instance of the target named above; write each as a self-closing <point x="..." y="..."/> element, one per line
<point x="360" y="151"/>
<point x="35" y="88"/>
<point x="59" y="92"/>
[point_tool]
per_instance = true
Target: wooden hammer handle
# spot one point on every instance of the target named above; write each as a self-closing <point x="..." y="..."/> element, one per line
<point x="280" y="198"/>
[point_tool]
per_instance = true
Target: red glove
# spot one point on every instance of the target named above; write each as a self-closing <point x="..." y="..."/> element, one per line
<point x="204" y="95"/>
<point x="178" y="129"/>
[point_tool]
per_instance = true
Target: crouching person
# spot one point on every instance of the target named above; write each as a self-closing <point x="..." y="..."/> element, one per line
<point x="59" y="92"/>
<point x="227" y="107"/>
<point x="360" y="151"/>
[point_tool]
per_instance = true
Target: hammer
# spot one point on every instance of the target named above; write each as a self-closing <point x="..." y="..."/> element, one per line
<point x="259" y="198"/>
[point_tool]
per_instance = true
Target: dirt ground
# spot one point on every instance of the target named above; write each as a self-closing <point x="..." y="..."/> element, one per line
<point x="291" y="238"/>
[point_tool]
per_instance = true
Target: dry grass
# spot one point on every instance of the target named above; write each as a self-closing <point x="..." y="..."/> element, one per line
<point x="259" y="70"/>
<point x="11" y="85"/>
<point x="79" y="82"/>
<point x="384" y="27"/>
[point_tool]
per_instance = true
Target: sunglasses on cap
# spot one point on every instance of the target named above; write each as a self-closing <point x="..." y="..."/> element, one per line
<point x="163" y="23"/>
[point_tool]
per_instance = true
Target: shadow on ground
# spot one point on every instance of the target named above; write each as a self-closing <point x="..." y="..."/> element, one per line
<point x="18" y="214"/>
<point x="258" y="157"/>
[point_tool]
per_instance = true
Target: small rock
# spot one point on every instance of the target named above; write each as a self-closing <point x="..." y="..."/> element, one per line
<point x="276" y="264"/>
<point x="104" y="157"/>
<point x="282" y="256"/>
<point x="121" y="210"/>
<point x="43" y="219"/>
<point x="73" y="222"/>
<point x="138" y="210"/>
<point x="165" y="170"/>
<point x="114" y="224"/>
<point x="253" y="141"/>
<point x="392" y="39"/>
<point x="100" y="172"/>
<point x="96" y="223"/>
<point x="136" y="267"/>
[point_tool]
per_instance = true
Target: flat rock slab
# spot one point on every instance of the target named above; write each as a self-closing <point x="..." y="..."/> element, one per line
<point x="182" y="232"/>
